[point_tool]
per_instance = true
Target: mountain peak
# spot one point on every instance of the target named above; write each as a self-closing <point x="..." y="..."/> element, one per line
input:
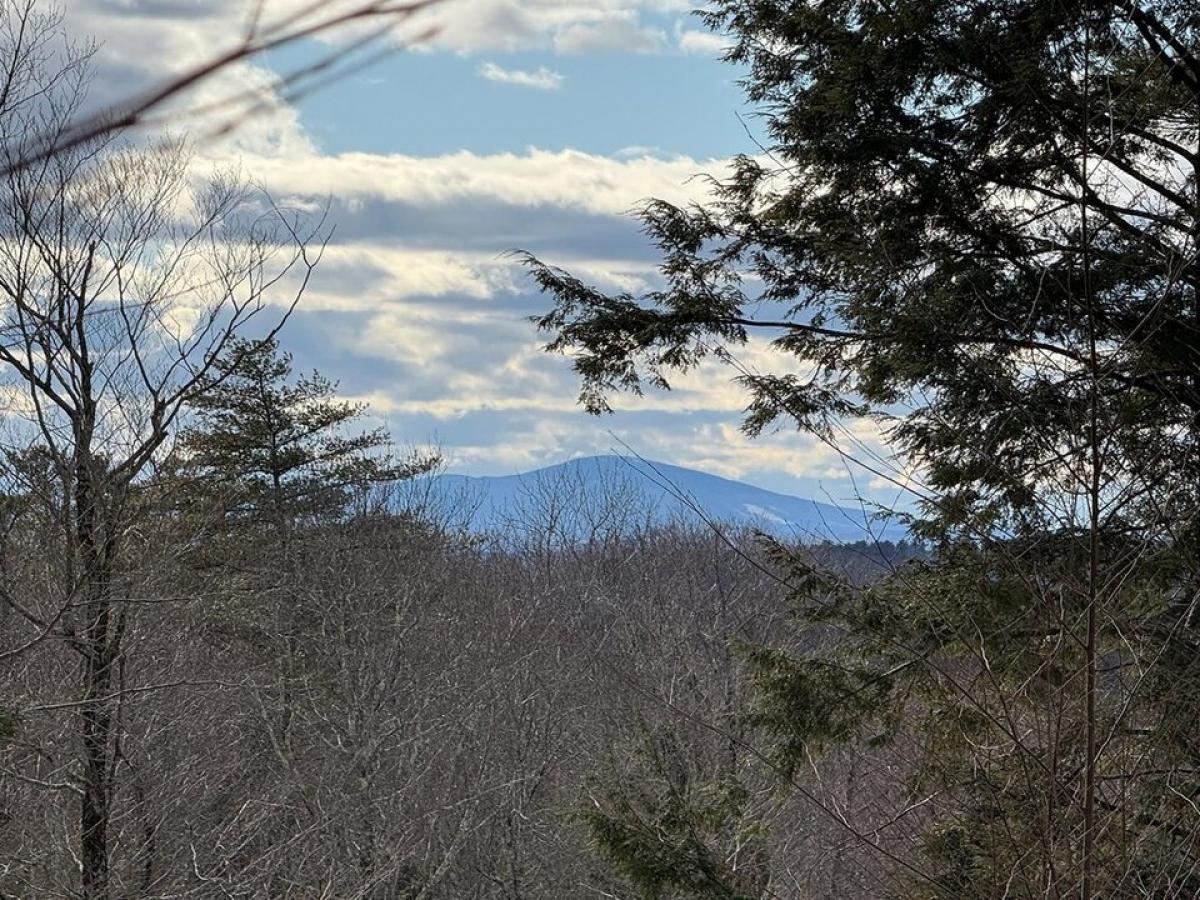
<point x="588" y="495"/>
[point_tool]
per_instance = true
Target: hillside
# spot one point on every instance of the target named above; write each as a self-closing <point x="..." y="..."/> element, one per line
<point x="620" y="493"/>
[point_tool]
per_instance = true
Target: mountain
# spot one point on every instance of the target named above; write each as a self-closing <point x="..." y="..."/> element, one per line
<point x="605" y="494"/>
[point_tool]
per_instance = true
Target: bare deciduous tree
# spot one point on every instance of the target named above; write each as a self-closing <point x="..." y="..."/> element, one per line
<point x="120" y="284"/>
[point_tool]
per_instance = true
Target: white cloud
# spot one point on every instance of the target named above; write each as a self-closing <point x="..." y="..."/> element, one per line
<point x="637" y="151"/>
<point x="542" y="78"/>
<point x="702" y="43"/>
<point x="436" y="318"/>
<point x="568" y="26"/>
<point x="184" y="35"/>
<point x="565" y="178"/>
<point x="390" y="275"/>
<point x="619" y="33"/>
<point x="429" y="325"/>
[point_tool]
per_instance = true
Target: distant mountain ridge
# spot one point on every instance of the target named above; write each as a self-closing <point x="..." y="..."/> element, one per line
<point x="616" y="493"/>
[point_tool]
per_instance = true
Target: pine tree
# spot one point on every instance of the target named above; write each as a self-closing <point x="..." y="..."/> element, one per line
<point x="977" y="222"/>
<point x="279" y="461"/>
<point x="282" y="453"/>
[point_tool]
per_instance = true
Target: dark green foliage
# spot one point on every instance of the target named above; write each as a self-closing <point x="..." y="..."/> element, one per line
<point x="280" y="452"/>
<point x="979" y="223"/>
<point x="972" y="665"/>
<point x="659" y="828"/>
<point x="812" y="703"/>
<point x="915" y="228"/>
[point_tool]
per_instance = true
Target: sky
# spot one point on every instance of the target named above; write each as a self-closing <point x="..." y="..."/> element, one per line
<point x="536" y="125"/>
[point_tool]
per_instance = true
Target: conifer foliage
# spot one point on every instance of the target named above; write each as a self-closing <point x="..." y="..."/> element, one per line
<point x="282" y="451"/>
<point x="978" y="223"/>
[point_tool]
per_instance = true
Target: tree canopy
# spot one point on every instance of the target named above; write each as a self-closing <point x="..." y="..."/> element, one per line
<point x="956" y="202"/>
<point x="977" y="223"/>
<point x="280" y="450"/>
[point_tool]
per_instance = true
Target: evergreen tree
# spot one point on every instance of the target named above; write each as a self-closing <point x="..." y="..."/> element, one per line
<point x="282" y="453"/>
<point x="977" y="222"/>
<point x="279" y="461"/>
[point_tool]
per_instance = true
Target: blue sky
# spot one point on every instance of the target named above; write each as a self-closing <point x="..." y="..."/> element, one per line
<point x="532" y="124"/>
<point x="606" y="103"/>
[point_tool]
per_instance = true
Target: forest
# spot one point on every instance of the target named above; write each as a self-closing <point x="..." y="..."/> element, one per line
<point x="247" y="651"/>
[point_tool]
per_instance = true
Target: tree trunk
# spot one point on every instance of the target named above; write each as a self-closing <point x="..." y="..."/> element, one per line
<point x="96" y="721"/>
<point x="95" y="715"/>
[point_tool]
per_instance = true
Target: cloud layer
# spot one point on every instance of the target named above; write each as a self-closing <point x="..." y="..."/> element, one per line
<point x="416" y="306"/>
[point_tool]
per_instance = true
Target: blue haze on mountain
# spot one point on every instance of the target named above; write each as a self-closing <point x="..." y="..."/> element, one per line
<point x="603" y="495"/>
